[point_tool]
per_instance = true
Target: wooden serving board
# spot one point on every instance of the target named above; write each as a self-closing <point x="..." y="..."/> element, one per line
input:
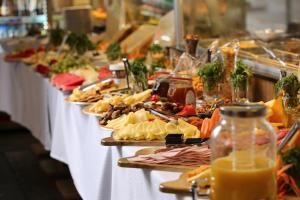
<point x="180" y="186"/>
<point x="124" y="162"/>
<point x="110" y="141"/>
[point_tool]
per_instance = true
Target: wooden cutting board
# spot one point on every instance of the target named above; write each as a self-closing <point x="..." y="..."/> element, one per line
<point x="110" y="141"/>
<point x="180" y="186"/>
<point x="124" y="162"/>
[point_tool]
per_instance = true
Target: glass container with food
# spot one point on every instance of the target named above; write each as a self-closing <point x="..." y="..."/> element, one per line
<point x="181" y="91"/>
<point x="161" y="86"/>
<point x="229" y="54"/>
<point x="243" y="155"/>
<point x="118" y="70"/>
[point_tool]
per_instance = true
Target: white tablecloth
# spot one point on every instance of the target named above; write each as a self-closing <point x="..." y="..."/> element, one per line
<point x="74" y="138"/>
<point x="23" y="96"/>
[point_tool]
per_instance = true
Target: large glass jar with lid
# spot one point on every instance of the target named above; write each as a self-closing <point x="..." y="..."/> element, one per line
<point x="181" y="91"/>
<point x="243" y="155"/>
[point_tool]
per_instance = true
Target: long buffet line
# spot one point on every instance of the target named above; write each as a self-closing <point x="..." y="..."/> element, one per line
<point x="159" y="110"/>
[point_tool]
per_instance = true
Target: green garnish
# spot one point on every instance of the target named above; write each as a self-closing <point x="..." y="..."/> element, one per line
<point x="291" y="86"/>
<point x="80" y="43"/>
<point x="56" y="36"/>
<point x="156" y="48"/>
<point x="212" y="73"/>
<point x="114" y="51"/>
<point x="140" y="73"/>
<point x="241" y="75"/>
<point x="292" y="156"/>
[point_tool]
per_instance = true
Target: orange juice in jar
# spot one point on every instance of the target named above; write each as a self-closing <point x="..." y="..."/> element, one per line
<point x="241" y="167"/>
<point x="258" y="182"/>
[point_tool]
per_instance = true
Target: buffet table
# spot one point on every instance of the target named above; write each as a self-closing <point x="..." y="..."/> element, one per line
<point x="74" y="138"/>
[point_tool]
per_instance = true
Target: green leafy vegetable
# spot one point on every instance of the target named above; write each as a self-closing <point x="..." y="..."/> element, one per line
<point x="140" y="73"/>
<point x="56" y="36"/>
<point x="212" y="74"/>
<point x="241" y="75"/>
<point x="292" y="156"/>
<point x="291" y="86"/>
<point x="79" y="43"/>
<point x="156" y="48"/>
<point x="114" y="51"/>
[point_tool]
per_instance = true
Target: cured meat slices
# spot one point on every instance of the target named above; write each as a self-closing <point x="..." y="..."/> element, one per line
<point x="185" y="156"/>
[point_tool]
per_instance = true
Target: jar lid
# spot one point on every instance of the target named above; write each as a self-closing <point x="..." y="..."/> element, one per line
<point x="116" y="67"/>
<point x="244" y="111"/>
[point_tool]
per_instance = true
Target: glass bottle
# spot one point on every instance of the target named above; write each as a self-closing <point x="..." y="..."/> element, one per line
<point x="243" y="155"/>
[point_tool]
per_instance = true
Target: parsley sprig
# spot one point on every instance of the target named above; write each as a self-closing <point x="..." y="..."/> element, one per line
<point x="241" y="75"/>
<point x="291" y="86"/>
<point x="114" y="51"/>
<point x="212" y="73"/>
<point x="139" y="72"/>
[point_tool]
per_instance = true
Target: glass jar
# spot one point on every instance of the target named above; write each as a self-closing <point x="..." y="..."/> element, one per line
<point x="181" y="91"/>
<point x="213" y="93"/>
<point x="241" y="92"/>
<point x="118" y="73"/>
<point x="243" y="155"/>
<point x="118" y="70"/>
<point x="229" y="55"/>
<point x="161" y="86"/>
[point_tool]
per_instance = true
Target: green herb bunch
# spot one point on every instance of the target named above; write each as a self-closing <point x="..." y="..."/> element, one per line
<point x="139" y="72"/>
<point x="212" y="73"/>
<point x="156" y="48"/>
<point x="291" y="86"/>
<point x="292" y="156"/>
<point x="241" y="75"/>
<point x="56" y="36"/>
<point x="80" y="43"/>
<point x="114" y="51"/>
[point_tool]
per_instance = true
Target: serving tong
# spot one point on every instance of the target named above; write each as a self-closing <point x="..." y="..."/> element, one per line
<point x="293" y="130"/>
<point x="165" y="117"/>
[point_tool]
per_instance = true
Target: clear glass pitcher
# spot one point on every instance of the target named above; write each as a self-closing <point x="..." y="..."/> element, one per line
<point x="243" y="155"/>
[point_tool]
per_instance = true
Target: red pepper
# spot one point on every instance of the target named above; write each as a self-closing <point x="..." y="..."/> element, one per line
<point x="154" y="98"/>
<point x="187" y="110"/>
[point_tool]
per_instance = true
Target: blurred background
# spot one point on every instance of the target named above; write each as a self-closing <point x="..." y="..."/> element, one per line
<point x="21" y="17"/>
